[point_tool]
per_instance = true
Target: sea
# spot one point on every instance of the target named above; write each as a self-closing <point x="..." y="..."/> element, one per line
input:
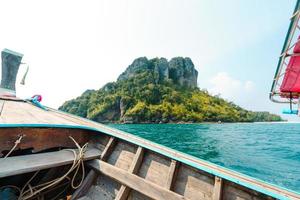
<point x="267" y="151"/>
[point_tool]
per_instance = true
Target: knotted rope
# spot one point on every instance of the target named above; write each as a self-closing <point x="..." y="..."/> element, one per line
<point x="77" y="162"/>
<point x="18" y="141"/>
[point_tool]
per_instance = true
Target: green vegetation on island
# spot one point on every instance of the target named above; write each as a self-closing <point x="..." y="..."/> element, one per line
<point x="158" y="91"/>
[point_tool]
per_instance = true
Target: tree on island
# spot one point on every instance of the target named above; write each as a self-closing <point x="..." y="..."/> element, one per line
<point x="159" y="91"/>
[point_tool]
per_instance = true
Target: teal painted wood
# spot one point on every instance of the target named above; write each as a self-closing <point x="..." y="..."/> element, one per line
<point x="167" y="154"/>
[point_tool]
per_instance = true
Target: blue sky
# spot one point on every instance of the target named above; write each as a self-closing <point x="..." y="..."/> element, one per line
<point x="76" y="45"/>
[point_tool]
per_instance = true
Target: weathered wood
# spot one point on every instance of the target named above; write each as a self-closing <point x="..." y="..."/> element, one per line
<point x="123" y="193"/>
<point x="172" y="174"/>
<point x="232" y="191"/>
<point x="155" y="168"/>
<point x="217" y="194"/>
<point x="124" y="190"/>
<point x="10" y="98"/>
<point x="85" y="186"/>
<point x="104" y="188"/>
<point x="122" y="155"/>
<point x="202" y="164"/>
<point x="108" y="148"/>
<point x="18" y="112"/>
<point x="134" y="182"/>
<point x="193" y="183"/>
<point x="29" y="163"/>
<point x="43" y="138"/>
<point x="53" y="173"/>
<point x="136" y="163"/>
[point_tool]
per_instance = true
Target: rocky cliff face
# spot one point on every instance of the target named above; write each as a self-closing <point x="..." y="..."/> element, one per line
<point x="139" y="65"/>
<point x="180" y="70"/>
<point x="161" y="67"/>
<point x="183" y="72"/>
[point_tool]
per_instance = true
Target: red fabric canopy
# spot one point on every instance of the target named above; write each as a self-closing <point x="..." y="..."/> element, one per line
<point x="291" y="79"/>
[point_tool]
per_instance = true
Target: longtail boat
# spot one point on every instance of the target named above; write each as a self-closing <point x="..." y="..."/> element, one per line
<point x="49" y="154"/>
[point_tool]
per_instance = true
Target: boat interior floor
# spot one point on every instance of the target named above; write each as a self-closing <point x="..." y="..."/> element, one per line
<point x="79" y="164"/>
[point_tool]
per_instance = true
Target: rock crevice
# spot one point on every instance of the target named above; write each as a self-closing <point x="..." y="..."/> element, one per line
<point x="180" y="70"/>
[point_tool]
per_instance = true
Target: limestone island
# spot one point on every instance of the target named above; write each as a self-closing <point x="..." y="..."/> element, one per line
<point x="159" y="91"/>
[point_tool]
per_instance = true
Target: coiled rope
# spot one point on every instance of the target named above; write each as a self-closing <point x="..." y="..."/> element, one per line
<point x="77" y="163"/>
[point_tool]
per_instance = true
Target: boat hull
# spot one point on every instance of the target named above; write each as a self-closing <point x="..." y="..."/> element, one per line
<point x="118" y="165"/>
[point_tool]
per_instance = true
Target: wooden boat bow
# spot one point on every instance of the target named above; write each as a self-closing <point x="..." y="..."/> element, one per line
<point x="115" y="165"/>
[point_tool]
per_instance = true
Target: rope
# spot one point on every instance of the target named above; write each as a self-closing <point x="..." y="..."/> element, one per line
<point x="24" y="77"/>
<point x="18" y="141"/>
<point x="34" y="100"/>
<point x="80" y="163"/>
<point x="77" y="163"/>
<point x="27" y="183"/>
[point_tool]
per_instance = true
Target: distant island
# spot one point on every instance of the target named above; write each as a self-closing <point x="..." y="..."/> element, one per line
<point x="159" y="91"/>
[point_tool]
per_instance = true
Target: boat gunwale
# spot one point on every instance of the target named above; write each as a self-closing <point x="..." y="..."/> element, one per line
<point x="198" y="163"/>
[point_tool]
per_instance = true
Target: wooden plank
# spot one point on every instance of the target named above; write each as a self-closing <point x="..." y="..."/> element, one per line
<point x="138" y="158"/>
<point x="23" y="112"/>
<point x="155" y="168"/>
<point x="53" y="173"/>
<point x="105" y="188"/>
<point x="217" y="193"/>
<point x="171" y="174"/>
<point x="43" y="138"/>
<point x="12" y="113"/>
<point x="136" y="163"/>
<point x="123" y="193"/>
<point x="233" y="191"/>
<point x="85" y="186"/>
<point x="29" y="163"/>
<point x="194" y="184"/>
<point x="108" y="148"/>
<point x="133" y="181"/>
<point x="122" y="155"/>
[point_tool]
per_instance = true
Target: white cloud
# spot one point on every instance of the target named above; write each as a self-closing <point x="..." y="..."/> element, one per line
<point x="229" y="87"/>
<point x="75" y="45"/>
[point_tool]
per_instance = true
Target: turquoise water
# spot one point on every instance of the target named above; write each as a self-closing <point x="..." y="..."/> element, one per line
<point x="268" y="151"/>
